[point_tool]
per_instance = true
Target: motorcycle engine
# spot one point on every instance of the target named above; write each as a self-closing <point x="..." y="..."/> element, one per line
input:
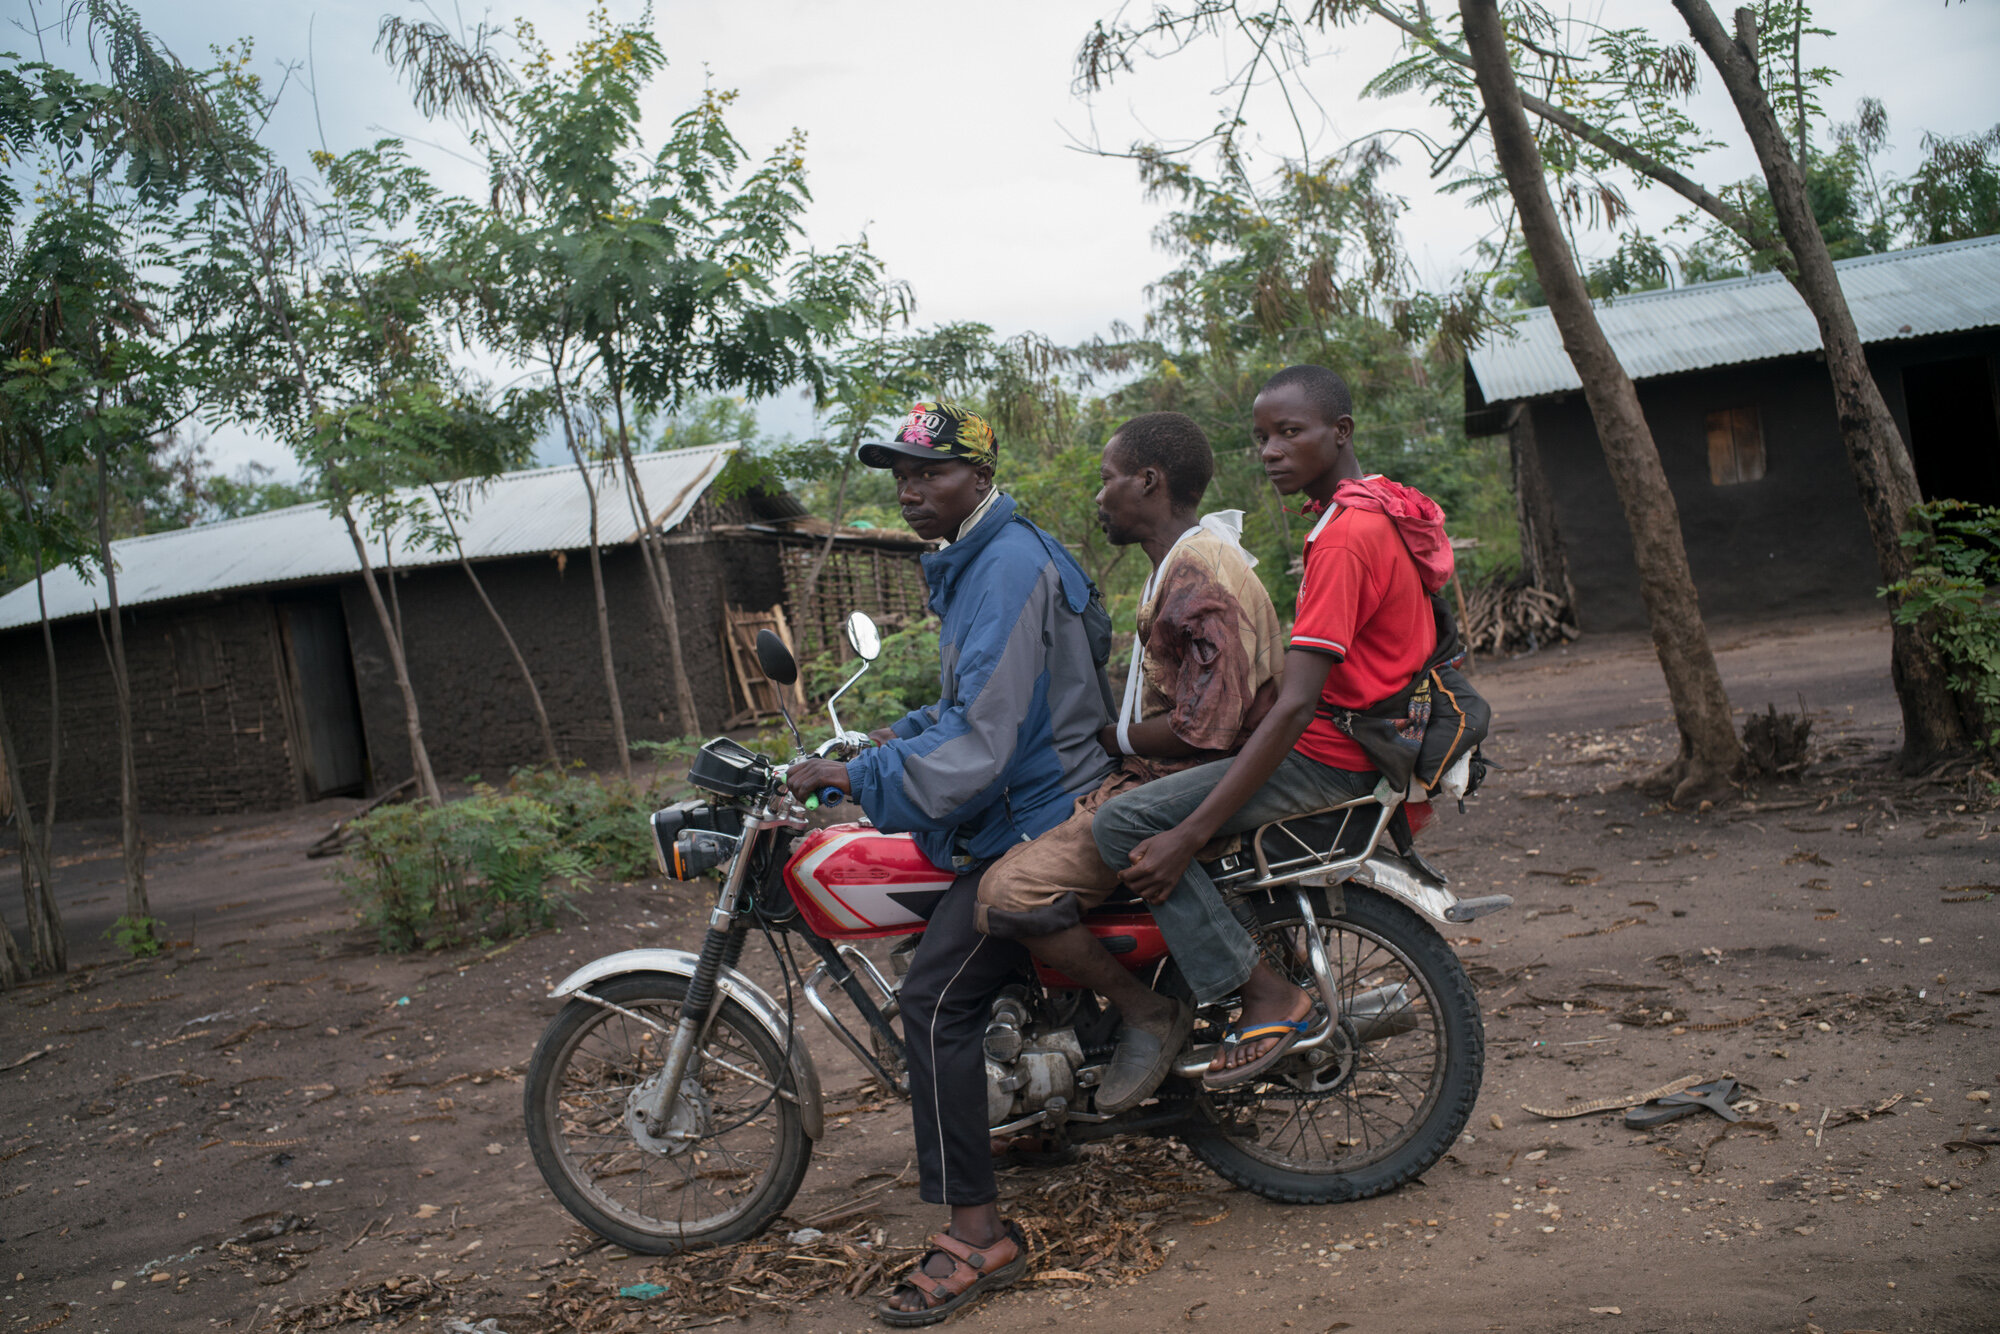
<point x="1029" y="1067"/>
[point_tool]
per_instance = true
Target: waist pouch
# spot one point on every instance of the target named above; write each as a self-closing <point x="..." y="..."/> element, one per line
<point x="1415" y="736"/>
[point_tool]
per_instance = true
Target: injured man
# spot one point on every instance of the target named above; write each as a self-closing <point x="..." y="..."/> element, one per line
<point x="1204" y="671"/>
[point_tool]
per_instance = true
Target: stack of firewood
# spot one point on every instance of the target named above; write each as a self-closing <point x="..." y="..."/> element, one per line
<point x="1508" y="618"/>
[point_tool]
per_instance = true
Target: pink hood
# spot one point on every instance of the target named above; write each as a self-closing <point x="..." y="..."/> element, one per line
<point x="1417" y="518"/>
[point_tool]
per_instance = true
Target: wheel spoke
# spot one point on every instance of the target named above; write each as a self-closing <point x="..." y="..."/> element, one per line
<point x="734" y="1091"/>
<point x="1380" y="1093"/>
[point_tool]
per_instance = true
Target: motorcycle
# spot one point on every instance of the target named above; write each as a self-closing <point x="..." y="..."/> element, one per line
<point x="673" y="1102"/>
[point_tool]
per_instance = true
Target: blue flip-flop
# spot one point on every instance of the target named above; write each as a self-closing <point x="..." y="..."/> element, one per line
<point x="1288" y="1032"/>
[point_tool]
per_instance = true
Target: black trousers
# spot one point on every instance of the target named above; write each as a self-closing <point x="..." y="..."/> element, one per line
<point x="947" y="999"/>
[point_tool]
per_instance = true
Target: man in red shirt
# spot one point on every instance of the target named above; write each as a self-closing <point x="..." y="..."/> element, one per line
<point x="1364" y="629"/>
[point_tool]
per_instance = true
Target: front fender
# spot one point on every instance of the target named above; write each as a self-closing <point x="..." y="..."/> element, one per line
<point x="1399" y="880"/>
<point x="680" y="963"/>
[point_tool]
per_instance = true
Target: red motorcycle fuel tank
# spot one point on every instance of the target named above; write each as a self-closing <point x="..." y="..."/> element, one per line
<point x="854" y="882"/>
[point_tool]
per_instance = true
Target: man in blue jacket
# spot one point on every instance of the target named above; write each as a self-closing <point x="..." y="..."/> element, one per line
<point x="1000" y="759"/>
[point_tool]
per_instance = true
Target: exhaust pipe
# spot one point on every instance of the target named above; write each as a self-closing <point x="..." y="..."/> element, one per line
<point x="1383" y="1012"/>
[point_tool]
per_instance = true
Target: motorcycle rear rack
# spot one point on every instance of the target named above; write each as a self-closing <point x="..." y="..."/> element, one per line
<point x="1279" y="856"/>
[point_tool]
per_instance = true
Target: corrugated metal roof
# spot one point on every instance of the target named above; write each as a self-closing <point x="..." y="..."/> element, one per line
<point x="1904" y="294"/>
<point x="544" y="509"/>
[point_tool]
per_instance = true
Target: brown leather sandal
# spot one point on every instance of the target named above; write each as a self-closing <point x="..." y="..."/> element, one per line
<point x="973" y="1272"/>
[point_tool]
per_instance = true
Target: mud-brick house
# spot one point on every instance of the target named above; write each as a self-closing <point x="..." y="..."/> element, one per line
<point x="260" y="677"/>
<point x="1733" y="381"/>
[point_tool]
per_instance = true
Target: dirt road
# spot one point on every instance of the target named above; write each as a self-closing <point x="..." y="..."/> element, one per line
<point x="273" y="1117"/>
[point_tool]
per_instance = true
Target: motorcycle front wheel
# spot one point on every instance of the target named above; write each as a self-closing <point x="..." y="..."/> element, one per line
<point x="1378" y="1106"/>
<point x="731" y="1156"/>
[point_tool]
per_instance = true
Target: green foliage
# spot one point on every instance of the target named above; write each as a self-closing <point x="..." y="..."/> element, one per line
<point x="668" y="754"/>
<point x="629" y="273"/>
<point x="140" y="937"/>
<point x="902" y="679"/>
<point x="1954" y="194"/>
<point x="603" y="820"/>
<point x="1955" y="594"/>
<point x="496" y="863"/>
<point x="249" y="490"/>
<point x="429" y="876"/>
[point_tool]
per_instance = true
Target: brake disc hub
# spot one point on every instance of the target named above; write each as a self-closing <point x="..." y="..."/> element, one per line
<point x="687" y="1122"/>
<point x="1326" y="1068"/>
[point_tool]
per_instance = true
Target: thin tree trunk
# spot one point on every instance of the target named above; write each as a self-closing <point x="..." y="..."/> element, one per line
<point x="833" y="531"/>
<point x="520" y="662"/>
<point x="597" y="584"/>
<point x="618" y="736"/>
<point x="13" y="964"/>
<point x="663" y="581"/>
<point x="395" y="599"/>
<point x="1710" y="754"/>
<point x="420" y="757"/>
<point x="48" y="944"/>
<point x="137" y="912"/>
<point x="1883" y="472"/>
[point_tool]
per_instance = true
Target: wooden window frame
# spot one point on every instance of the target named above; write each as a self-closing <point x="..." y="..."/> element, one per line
<point x="1735" y="446"/>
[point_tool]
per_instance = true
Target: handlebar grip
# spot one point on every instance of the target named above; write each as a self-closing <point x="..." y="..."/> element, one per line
<point x="831" y="796"/>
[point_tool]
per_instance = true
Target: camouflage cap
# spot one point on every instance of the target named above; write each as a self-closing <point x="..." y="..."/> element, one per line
<point x="935" y="430"/>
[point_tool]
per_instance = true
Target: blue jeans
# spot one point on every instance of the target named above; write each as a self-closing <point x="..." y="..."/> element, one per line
<point x="1213" y="950"/>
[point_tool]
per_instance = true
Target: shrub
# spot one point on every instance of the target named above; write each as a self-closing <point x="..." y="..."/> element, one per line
<point x="1953" y="595"/>
<point x="602" y="819"/>
<point x="496" y="863"/>
<point x="139" y="937"/>
<point x="903" y="678"/>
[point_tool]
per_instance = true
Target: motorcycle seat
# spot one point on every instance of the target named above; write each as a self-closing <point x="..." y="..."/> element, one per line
<point x="1341" y="830"/>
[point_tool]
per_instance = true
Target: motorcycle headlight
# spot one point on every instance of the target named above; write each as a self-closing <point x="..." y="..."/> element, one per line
<point x="667" y="826"/>
<point x="693" y="837"/>
<point x="697" y="852"/>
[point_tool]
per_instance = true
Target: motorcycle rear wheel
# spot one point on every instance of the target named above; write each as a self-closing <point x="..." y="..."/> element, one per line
<point x="1385" y="1111"/>
<point x="722" y="1187"/>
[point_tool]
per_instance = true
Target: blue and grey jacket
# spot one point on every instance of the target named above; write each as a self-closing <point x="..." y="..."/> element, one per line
<point x="1012" y="743"/>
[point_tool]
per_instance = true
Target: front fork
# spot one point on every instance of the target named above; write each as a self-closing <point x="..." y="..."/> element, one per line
<point x="720" y="949"/>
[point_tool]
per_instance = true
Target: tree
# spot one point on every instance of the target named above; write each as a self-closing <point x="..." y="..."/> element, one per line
<point x="1615" y="103"/>
<point x="1954" y="194"/>
<point x="1631" y="93"/>
<point x="1709" y="755"/>
<point x="35" y="533"/>
<point x="321" y="325"/>
<point x="481" y="445"/>
<point x="114" y="160"/>
<point x="117" y="160"/>
<point x="637" y="281"/>
<point x="1932" y="723"/>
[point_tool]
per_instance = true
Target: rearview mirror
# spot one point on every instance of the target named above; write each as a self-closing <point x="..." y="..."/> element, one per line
<point x="863" y="637"/>
<point x="776" y="660"/>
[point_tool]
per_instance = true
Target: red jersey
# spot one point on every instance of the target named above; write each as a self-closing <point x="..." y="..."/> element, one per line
<point x="1362" y="602"/>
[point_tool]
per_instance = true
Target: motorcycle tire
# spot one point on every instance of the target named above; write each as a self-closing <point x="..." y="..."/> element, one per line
<point x="1371" y="937"/>
<point x="578" y="1082"/>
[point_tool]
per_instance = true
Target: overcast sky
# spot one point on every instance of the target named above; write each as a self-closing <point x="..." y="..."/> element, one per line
<point x="949" y="133"/>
